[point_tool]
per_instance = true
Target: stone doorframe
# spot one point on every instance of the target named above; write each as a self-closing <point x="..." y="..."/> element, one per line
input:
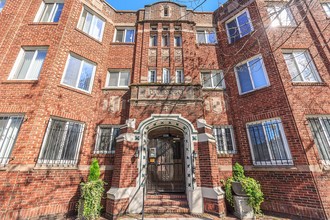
<point x="190" y="137"/>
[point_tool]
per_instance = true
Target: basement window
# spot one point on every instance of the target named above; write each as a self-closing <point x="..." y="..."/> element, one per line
<point x="268" y="143"/>
<point x="28" y="64"/>
<point x="2" y="4"/>
<point x="224" y="137"/>
<point x="106" y="139"/>
<point x="91" y="24"/>
<point x="251" y="75"/>
<point x="125" y="35"/>
<point x="62" y="142"/>
<point x="9" y="128"/>
<point x="118" y="78"/>
<point x="79" y="73"/>
<point x="320" y="127"/>
<point x="301" y="66"/>
<point x="239" y="26"/>
<point x="49" y="11"/>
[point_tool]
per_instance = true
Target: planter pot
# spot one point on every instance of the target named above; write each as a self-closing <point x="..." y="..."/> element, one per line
<point x="238" y="189"/>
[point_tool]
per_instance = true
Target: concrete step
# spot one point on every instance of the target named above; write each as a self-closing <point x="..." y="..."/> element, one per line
<point x="166" y="209"/>
<point x="166" y="202"/>
<point x="167" y="196"/>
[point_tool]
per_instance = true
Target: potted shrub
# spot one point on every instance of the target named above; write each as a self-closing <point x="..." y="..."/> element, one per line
<point x="89" y="205"/>
<point x="243" y="186"/>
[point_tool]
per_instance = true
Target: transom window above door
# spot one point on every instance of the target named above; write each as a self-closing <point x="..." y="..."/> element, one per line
<point x="125" y="35"/>
<point x="91" y="24"/>
<point x="239" y="26"/>
<point x="118" y="79"/>
<point x="49" y="11"/>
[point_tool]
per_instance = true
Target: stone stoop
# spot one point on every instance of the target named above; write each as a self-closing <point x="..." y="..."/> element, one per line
<point x="166" y="203"/>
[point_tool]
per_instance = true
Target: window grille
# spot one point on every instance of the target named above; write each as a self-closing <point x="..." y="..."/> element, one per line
<point x="106" y="140"/>
<point x="224" y="137"/>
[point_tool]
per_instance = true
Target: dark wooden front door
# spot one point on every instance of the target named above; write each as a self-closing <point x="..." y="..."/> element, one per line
<point x="166" y="174"/>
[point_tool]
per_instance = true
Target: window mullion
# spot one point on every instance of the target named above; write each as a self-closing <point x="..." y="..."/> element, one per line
<point x="124" y="36"/>
<point x="238" y="27"/>
<point x="119" y="76"/>
<point x="111" y="140"/>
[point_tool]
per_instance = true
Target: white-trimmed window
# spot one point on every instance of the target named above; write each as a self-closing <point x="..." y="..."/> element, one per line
<point x="79" y="73"/>
<point x="118" y="78"/>
<point x="166" y="76"/>
<point x="152" y="76"/>
<point x="165" y="40"/>
<point x="251" y="75"/>
<point x="62" y="142"/>
<point x="213" y="79"/>
<point x="320" y="126"/>
<point x="28" y="64"/>
<point x="9" y="128"/>
<point x="153" y="41"/>
<point x="268" y="143"/>
<point x="224" y="137"/>
<point x="206" y="36"/>
<point x="239" y="26"/>
<point x="49" y="11"/>
<point x="177" y="41"/>
<point x="91" y="24"/>
<point x="280" y="15"/>
<point x="125" y="35"/>
<point x="2" y="4"/>
<point x="325" y="5"/>
<point x="106" y="139"/>
<point x="179" y="76"/>
<point x="301" y="66"/>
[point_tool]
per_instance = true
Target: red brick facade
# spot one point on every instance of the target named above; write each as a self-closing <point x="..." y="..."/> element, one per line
<point x="28" y="189"/>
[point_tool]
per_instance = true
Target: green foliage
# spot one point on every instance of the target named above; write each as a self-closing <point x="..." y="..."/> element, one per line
<point x="251" y="187"/>
<point x="94" y="171"/>
<point x="89" y="205"/>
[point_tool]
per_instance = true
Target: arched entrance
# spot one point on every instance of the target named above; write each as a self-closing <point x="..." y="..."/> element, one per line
<point x="165" y="172"/>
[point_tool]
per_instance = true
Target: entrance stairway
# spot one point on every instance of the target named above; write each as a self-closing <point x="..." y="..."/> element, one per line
<point x="166" y="203"/>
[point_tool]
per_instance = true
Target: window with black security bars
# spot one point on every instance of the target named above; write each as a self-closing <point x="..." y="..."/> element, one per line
<point x="106" y="140"/>
<point x="9" y="128"/>
<point x="224" y="137"/>
<point x="268" y="143"/>
<point x="62" y="142"/>
<point x="320" y="127"/>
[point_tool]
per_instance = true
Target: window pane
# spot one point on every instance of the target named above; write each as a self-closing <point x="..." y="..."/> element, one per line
<point x="207" y="80"/>
<point x="72" y="71"/>
<point x="114" y="78"/>
<point x="304" y="66"/>
<point x="86" y="76"/>
<point x="120" y="35"/>
<point x="259" y="144"/>
<point x="212" y="38"/>
<point x="244" y="78"/>
<point x="27" y="60"/>
<point x="97" y="28"/>
<point x="217" y="80"/>
<point x="273" y="16"/>
<point x="293" y="69"/>
<point x="9" y="128"/>
<point x="115" y="134"/>
<point x="233" y="31"/>
<point x="104" y="140"/>
<point x="177" y="41"/>
<point x="71" y="141"/>
<point x="257" y="72"/>
<point x="229" y="141"/>
<point x="326" y="7"/>
<point x="46" y="13"/>
<point x="220" y="139"/>
<point x="166" y="76"/>
<point x="129" y="36"/>
<point x="201" y="37"/>
<point x="58" y="12"/>
<point x="276" y="144"/>
<point x="244" y="24"/>
<point x="124" y="79"/>
<point x="88" y="22"/>
<point x="37" y="64"/>
<point x="152" y="76"/>
<point x="320" y="134"/>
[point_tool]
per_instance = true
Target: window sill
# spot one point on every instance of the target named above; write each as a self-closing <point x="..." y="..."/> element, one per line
<point x="226" y="155"/>
<point x="44" y="23"/>
<point x="308" y="83"/>
<point x="213" y="89"/>
<point x="122" y="43"/>
<point x="206" y="44"/>
<point x="90" y="37"/>
<point x="3" y="168"/>
<point x="75" y="90"/>
<point x="270" y="168"/>
<point x="116" y="88"/>
<point x="253" y="91"/>
<point x="55" y="167"/>
<point x="16" y="81"/>
<point x="283" y="27"/>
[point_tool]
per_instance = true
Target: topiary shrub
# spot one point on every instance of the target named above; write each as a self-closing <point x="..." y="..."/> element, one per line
<point x="251" y="187"/>
<point x="89" y="205"/>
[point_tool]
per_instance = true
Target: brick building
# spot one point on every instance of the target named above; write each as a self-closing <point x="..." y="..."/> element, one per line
<point x="167" y="98"/>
